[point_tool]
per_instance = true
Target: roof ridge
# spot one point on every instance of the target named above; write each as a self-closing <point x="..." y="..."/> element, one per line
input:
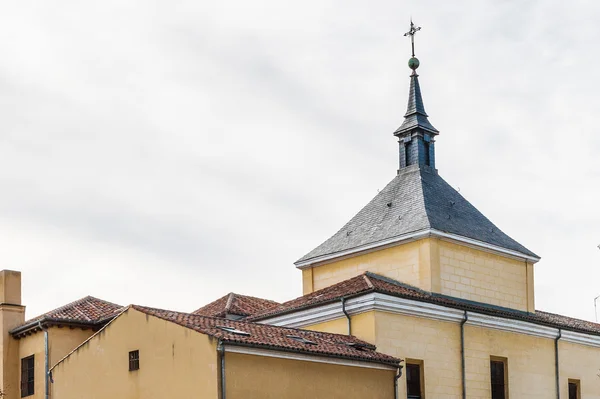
<point x="230" y="300"/>
<point x="397" y="283"/>
<point x="73" y="303"/>
<point x="254" y="297"/>
<point x="368" y="281"/>
<point x="246" y="322"/>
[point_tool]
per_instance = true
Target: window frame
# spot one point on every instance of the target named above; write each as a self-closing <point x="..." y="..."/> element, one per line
<point x="421" y="365"/>
<point x="577" y="383"/>
<point x="28" y="370"/>
<point x="134" y="360"/>
<point x="504" y="361"/>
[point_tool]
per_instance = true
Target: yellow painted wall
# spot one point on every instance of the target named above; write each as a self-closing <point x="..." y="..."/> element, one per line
<point x="61" y="342"/>
<point x="484" y="277"/>
<point x="530" y="363"/>
<point x="437" y="343"/>
<point x="337" y="326"/>
<point x="175" y="362"/>
<point x="259" y="377"/>
<point x="580" y="363"/>
<point x="409" y="263"/>
<point x="12" y="314"/>
<point x="34" y="345"/>
<point x="438" y="266"/>
<point x="363" y="326"/>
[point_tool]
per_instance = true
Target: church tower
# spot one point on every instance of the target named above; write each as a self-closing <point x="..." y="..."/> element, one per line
<point x="416" y="134"/>
<point x="420" y="231"/>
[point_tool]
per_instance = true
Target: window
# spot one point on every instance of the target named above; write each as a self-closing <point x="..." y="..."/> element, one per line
<point x="426" y="153"/>
<point x="499" y="377"/>
<point x="574" y="389"/>
<point x="134" y="360"/>
<point x="27" y="384"/>
<point x="414" y="379"/>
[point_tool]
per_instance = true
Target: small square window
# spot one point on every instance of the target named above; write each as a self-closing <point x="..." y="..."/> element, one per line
<point x="27" y="373"/>
<point x="574" y="389"/>
<point x="134" y="360"/>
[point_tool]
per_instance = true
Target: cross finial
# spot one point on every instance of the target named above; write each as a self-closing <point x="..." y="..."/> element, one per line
<point x="413" y="30"/>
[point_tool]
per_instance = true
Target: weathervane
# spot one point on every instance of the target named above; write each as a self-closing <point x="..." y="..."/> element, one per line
<point x="413" y="63"/>
<point x="413" y="30"/>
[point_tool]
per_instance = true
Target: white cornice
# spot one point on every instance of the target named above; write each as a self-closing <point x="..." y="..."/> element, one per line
<point x="511" y="325"/>
<point x="485" y="246"/>
<point x="323" y="313"/>
<point x="409" y="307"/>
<point x="362" y="248"/>
<point x="579" y="338"/>
<point x="306" y="358"/>
<point x="418" y="235"/>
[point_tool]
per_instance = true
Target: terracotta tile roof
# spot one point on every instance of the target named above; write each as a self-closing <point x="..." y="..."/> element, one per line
<point x="371" y="282"/>
<point x="275" y="338"/>
<point x="347" y="288"/>
<point x="85" y="311"/>
<point x="236" y="304"/>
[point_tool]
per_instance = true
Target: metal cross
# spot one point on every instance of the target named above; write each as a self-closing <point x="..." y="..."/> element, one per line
<point x="413" y="30"/>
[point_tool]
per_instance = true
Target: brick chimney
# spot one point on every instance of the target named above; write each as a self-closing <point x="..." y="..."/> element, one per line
<point x="12" y="314"/>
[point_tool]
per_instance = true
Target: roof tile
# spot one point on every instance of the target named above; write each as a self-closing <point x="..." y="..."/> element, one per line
<point x="371" y="282"/>
<point x="272" y="337"/>
<point x="417" y="199"/>
<point x="236" y="304"/>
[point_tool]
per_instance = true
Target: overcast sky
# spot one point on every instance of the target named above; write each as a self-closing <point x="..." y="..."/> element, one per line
<point x="166" y="153"/>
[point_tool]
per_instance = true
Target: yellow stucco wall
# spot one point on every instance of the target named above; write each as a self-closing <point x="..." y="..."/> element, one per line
<point x="34" y="345"/>
<point x="336" y="326"/>
<point x="580" y="363"/>
<point x="259" y="377"/>
<point x="438" y="266"/>
<point x="409" y="263"/>
<point x="61" y="342"/>
<point x="175" y="362"/>
<point x="363" y="326"/>
<point x="12" y="314"/>
<point x="530" y="363"/>
<point x="485" y="277"/>
<point x="64" y="340"/>
<point x="437" y="343"/>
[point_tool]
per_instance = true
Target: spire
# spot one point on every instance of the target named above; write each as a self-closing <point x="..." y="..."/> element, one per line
<point x="415" y="125"/>
<point x="415" y="116"/>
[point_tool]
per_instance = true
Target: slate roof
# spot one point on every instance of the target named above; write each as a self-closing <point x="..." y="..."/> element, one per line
<point x="415" y="116"/>
<point x="88" y="311"/>
<point x="371" y="282"/>
<point x="275" y="338"/>
<point x="417" y="199"/>
<point x="236" y="304"/>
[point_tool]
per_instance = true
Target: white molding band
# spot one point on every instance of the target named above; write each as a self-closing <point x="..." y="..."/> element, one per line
<point x="582" y="339"/>
<point x="418" y="235"/>
<point x="306" y="358"/>
<point x="409" y="307"/>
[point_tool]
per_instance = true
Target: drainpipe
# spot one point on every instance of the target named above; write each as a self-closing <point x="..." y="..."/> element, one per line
<point x="559" y="336"/>
<point x="221" y="352"/>
<point x="46" y="350"/>
<point x="462" y="355"/>
<point x="396" y="377"/>
<point x="347" y="316"/>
